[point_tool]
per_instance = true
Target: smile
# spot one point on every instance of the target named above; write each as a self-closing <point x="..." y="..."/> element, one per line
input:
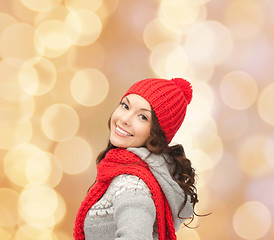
<point x="122" y="132"/>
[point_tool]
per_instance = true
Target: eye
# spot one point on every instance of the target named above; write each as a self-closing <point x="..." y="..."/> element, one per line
<point x="143" y="117"/>
<point x="124" y="105"/>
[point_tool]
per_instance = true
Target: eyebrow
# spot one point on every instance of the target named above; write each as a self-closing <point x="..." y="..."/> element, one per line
<point x="143" y="109"/>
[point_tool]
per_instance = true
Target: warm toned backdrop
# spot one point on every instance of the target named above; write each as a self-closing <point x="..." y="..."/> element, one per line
<point x="63" y="68"/>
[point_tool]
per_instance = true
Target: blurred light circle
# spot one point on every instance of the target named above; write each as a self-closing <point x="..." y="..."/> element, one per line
<point x="62" y="235"/>
<point x="38" y="168"/>
<point x="51" y="36"/>
<point x="204" y="90"/>
<point x="46" y="220"/>
<point x="177" y="62"/>
<point x="59" y="13"/>
<point x="183" y="137"/>
<point x="204" y="178"/>
<point x="181" y="12"/>
<point x="37" y="76"/>
<point x="10" y="88"/>
<point x="186" y="233"/>
<point x="201" y="161"/>
<point x="6" y="20"/>
<point x="251" y="156"/>
<point x="209" y="41"/>
<point x="60" y="122"/>
<point x="203" y="165"/>
<point x="206" y="121"/>
<point x="5" y="234"/>
<point x="18" y="112"/>
<point x="21" y="12"/>
<point x="252" y="220"/>
<point x="107" y="8"/>
<point x="197" y="72"/>
<point x="210" y="143"/>
<point x="245" y="55"/>
<point x="265" y="104"/>
<point x="261" y="190"/>
<point x="43" y="222"/>
<point x="245" y="18"/>
<point x="61" y="209"/>
<point x="201" y="120"/>
<point x="33" y="232"/>
<point x="199" y="114"/>
<point x="172" y="27"/>
<point x="155" y="33"/>
<point x="8" y="208"/>
<point x="74" y="155"/>
<point x="200" y="2"/>
<point x="158" y="57"/>
<point x="56" y="172"/>
<point x="39" y="138"/>
<point x="187" y="132"/>
<point x="24" y="49"/>
<point x="83" y="4"/>
<point x="36" y="199"/>
<point x="13" y="135"/>
<point x="205" y="203"/>
<point x="238" y="90"/>
<point x="42" y="5"/>
<point x="187" y="136"/>
<point x="89" y="87"/>
<point x="16" y="160"/>
<point x="83" y="27"/>
<point x="28" y="78"/>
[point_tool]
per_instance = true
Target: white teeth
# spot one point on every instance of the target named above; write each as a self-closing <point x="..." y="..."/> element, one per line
<point x="122" y="131"/>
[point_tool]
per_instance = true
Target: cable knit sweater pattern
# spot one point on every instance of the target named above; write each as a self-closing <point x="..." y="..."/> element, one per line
<point x="122" y="165"/>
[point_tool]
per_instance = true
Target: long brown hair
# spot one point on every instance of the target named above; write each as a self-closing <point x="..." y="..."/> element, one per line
<point x="183" y="173"/>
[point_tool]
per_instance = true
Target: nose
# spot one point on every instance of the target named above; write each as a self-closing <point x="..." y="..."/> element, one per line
<point x="126" y="118"/>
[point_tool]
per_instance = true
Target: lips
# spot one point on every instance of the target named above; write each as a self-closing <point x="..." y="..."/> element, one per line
<point x="122" y="132"/>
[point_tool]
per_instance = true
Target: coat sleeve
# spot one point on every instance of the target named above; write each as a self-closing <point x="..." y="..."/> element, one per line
<point x="134" y="212"/>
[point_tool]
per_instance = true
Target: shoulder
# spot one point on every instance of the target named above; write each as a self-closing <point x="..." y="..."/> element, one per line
<point x="132" y="198"/>
<point x="125" y="183"/>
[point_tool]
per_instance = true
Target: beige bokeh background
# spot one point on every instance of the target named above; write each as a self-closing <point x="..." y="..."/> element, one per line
<point x="64" y="66"/>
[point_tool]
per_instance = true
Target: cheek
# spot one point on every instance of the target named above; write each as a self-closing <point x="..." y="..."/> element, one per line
<point x="145" y="133"/>
<point x="111" y="124"/>
<point x="113" y="118"/>
<point x="148" y="132"/>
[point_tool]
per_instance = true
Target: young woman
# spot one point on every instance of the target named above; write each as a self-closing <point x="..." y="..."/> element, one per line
<point x="144" y="188"/>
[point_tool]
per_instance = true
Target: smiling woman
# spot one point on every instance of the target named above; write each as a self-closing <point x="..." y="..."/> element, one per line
<point x="130" y="122"/>
<point x="144" y="188"/>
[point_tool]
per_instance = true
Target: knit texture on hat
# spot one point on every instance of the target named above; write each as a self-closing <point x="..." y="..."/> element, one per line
<point x="169" y="100"/>
<point x="117" y="162"/>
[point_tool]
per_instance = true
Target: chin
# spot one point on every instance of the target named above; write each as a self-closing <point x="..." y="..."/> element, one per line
<point x="118" y="143"/>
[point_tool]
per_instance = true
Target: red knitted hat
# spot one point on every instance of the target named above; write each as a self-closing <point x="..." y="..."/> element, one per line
<point x="169" y="100"/>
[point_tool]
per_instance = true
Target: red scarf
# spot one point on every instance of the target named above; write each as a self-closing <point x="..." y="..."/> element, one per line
<point x="120" y="161"/>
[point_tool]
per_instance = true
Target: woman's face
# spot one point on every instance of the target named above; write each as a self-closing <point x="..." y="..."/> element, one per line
<point x="130" y="123"/>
